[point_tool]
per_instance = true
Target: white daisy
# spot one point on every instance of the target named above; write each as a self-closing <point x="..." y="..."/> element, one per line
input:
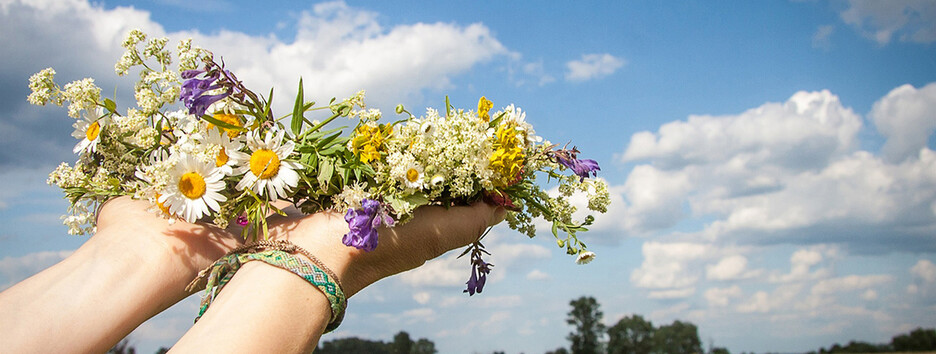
<point x="89" y="130"/>
<point x="192" y="189"/>
<point x="265" y="170"/>
<point x="226" y="146"/>
<point x="413" y="177"/>
<point x="585" y="257"/>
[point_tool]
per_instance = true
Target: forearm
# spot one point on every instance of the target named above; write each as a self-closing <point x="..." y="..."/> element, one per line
<point x="262" y="309"/>
<point x="87" y="302"/>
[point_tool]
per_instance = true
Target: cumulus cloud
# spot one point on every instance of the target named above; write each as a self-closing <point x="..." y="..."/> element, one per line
<point x="925" y="270"/>
<point x="720" y="297"/>
<point x="908" y="20"/>
<point x="337" y="49"/>
<point x="667" y="265"/>
<point x="592" y="66"/>
<point x="730" y="268"/>
<point x="849" y="283"/>
<point x="789" y="171"/>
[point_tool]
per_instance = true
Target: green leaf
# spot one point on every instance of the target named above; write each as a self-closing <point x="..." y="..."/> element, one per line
<point x="326" y="169"/>
<point x="448" y="107"/>
<point x="297" y="118"/>
<point x="417" y="199"/>
<point x="110" y="105"/>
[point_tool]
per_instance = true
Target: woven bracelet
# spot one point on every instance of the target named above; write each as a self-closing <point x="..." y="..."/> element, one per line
<point x="221" y="272"/>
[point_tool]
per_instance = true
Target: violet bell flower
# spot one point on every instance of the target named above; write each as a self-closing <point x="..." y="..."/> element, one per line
<point x="581" y="167"/>
<point x="363" y="224"/>
<point x="193" y="92"/>
<point x="479" y="271"/>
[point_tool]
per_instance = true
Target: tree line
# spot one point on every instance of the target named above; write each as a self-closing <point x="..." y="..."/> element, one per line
<point x="631" y="334"/>
<point x="918" y="340"/>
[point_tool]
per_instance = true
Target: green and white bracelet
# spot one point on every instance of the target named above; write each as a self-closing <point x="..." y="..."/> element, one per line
<point x="279" y="254"/>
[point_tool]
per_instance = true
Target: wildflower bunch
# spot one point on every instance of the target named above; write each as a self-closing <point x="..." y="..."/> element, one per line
<point x="199" y="145"/>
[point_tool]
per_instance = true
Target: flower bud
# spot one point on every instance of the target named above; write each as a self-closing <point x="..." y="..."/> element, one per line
<point x="400" y="109"/>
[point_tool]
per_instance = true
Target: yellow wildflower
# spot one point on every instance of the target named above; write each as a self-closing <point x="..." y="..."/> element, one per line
<point x="484" y="106"/>
<point x="507" y="159"/>
<point x="368" y="141"/>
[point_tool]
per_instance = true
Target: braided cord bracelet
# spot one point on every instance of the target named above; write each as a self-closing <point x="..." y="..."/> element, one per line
<point x="278" y="254"/>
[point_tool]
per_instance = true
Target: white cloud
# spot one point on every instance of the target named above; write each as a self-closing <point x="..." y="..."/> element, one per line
<point x="537" y="274"/>
<point x="849" y="283"/>
<point x="764" y="302"/>
<point x="803" y="265"/>
<point x="15" y="269"/>
<point x="729" y="268"/>
<point x="666" y="265"/>
<point x="909" y="20"/>
<point x="453" y="271"/>
<point x="907" y="118"/>
<point x="422" y="297"/>
<point x="337" y="49"/>
<point x="925" y="270"/>
<point x="593" y="66"/>
<point x="720" y="297"/>
<point x="672" y="293"/>
<point x="784" y="172"/>
<point x="821" y="39"/>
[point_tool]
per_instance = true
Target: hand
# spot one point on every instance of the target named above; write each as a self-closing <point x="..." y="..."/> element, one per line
<point x="433" y="231"/>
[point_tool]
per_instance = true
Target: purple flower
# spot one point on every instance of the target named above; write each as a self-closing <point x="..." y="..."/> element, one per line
<point x="581" y="167"/>
<point x="193" y="92"/>
<point x="479" y="271"/>
<point x="242" y="220"/>
<point x="363" y="224"/>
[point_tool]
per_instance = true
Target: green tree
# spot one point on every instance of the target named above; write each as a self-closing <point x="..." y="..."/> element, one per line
<point x="719" y="350"/>
<point x="586" y="318"/>
<point x="352" y="345"/>
<point x="917" y="340"/>
<point x="402" y="344"/>
<point x="632" y="334"/>
<point x="424" y="346"/>
<point x="558" y="351"/>
<point x="677" y="338"/>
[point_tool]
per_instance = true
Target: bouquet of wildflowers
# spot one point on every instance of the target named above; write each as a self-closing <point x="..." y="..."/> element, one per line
<point x="200" y="145"/>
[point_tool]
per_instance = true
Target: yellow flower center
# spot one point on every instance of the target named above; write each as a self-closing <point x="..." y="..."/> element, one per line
<point x="93" y="130"/>
<point x="229" y="119"/>
<point x="192" y="185"/>
<point x="484" y="106"/>
<point x="222" y="158"/>
<point x="412" y="175"/>
<point x="264" y="163"/>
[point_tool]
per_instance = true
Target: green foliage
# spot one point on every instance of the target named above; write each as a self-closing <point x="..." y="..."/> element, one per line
<point x="401" y="344"/>
<point x="586" y="318"/>
<point x="677" y="338"/>
<point x="917" y="340"/>
<point x="632" y="334"/>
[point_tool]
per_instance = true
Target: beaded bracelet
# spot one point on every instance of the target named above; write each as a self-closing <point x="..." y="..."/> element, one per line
<point x="278" y="254"/>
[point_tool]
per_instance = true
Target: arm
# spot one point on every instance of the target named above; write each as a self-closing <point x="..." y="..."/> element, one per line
<point x="268" y="309"/>
<point x="135" y="266"/>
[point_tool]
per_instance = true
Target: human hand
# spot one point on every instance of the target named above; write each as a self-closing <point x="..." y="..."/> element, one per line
<point x="433" y="231"/>
<point x="126" y="226"/>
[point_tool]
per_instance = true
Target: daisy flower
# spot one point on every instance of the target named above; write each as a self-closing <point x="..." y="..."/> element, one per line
<point x="266" y="170"/>
<point x="226" y="146"/>
<point x="192" y="191"/>
<point x="89" y="130"/>
<point x="413" y="177"/>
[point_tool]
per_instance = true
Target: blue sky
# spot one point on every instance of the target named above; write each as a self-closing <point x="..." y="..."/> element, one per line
<point x="771" y="163"/>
